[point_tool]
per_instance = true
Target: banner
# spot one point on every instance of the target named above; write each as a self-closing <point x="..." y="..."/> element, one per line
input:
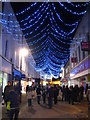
<point x="85" y="46"/>
<point x="73" y="59"/>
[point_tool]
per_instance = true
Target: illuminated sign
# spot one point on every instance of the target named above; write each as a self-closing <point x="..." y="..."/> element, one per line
<point x="80" y="68"/>
<point x="16" y="72"/>
<point x="23" y="76"/>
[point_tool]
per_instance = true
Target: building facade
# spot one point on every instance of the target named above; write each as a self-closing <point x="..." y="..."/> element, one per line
<point x="66" y="79"/>
<point x="14" y="63"/>
<point x="80" y="65"/>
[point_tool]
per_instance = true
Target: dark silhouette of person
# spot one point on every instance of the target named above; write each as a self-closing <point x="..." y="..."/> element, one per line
<point x="50" y="96"/>
<point x="55" y="94"/>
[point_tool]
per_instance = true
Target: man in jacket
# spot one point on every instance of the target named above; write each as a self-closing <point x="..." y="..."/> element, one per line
<point x="38" y="94"/>
<point x="14" y="99"/>
<point x="8" y="87"/>
<point x="50" y="96"/>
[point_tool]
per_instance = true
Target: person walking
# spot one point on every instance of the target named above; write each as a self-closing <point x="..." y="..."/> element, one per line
<point x="13" y="99"/>
<point x="63" y="93"/>
<point x="8" y="87"/>
<point x="50" y="97"/>
<point x="55" y="94"/>
<point x="44" y="96"/>
<point x="27" y="87"/>
<point x="38" y="94"/>
<point x="86" y="89"/>
<point x="81" y="93"/>
<point x="88" y="95"/>
<point x="29" y="97"/>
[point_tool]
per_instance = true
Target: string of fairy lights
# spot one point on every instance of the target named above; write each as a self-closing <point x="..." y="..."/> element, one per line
<point x="47" y="33"/>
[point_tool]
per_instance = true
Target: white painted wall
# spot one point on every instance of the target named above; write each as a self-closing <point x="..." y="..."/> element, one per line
<point x="14" y="45"/>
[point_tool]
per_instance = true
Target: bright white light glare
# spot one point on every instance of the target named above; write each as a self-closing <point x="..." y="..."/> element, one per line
<point x="69" y="83"/>
<point x="33" y="80"/>
<point x="30" y="83"/>
<point x="44" y="83"/>
<point x="72" y="74"/>
<point x="61" y="68"/>
<point x="23" y="52"/>
<point x="60" y="74"/>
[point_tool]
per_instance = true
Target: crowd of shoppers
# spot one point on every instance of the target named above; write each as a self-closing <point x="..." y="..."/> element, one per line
<point x="48" y="94"/>
<point x="53" y="94"/>
<point x="72" y="94"/>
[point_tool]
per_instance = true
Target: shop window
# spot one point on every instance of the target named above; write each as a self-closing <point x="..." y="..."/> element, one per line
<point x="79" y="53"/>
<point x="6" y="48"/>
<point x="5" y="80"/>
<point x="1" y="78"/>
<point x="76" y="57"/>
<point x="74" y="62"/>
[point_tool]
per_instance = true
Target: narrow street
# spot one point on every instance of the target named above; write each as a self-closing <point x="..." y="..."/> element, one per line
<point x="44" y="51"/>
<point x="61" y="110"/>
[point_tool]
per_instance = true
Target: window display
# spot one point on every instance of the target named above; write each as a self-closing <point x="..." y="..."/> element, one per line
<point x="5" y="79"/>
<point x="0" y="79"/>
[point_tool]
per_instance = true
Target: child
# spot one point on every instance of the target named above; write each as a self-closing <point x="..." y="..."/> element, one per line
<point x="29" y="97"/>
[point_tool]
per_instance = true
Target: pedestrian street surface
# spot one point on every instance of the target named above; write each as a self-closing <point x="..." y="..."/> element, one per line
<point x="60" y="110"/>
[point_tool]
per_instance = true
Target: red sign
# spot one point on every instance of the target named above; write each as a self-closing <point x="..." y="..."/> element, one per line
<point x="85" y="46"/>
<point x="73" y="59"/>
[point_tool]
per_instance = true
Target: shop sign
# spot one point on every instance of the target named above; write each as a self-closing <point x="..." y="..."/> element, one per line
<point x="16" y="73"/>
<point x="80" y="68"/>
<point x="85" y="46"/>
<point x="23" y="76"/>
<point x="73" y="59"/>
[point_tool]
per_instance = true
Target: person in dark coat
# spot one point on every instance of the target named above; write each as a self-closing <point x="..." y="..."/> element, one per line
<point x="50" y="96"/>
<point x="88" y="95"/>
<point x="14" y="99"/>
<point x="71" y="95"/>
<point x="81" y="92"/>
<point x="44" y="96"/>
<point x="38" y="94"/>
<point x="86" y="88"/>
<point x="8" y="87"/>
<point x="27" y="88"/>
<point x="55" y="94"/>
<point x="76" y="93"/>
<point x="63" y="93"/>
<point x="66" y="93"/>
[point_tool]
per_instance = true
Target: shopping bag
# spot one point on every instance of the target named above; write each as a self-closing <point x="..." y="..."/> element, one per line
<point x="8" y="105"/>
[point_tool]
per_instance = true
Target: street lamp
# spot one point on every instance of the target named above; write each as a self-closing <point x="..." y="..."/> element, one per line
<point x="23" y="52"/>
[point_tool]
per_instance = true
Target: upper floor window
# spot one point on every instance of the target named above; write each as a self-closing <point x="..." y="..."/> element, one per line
<point x="79" y="54"/>
<point x="76" y="56"/>
<point x="83" y="54"/>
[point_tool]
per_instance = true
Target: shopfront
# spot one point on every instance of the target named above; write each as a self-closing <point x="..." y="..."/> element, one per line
<point x="5" y="73"/>
<point x="23" y="84"/>
<point x="80" y="74"/>
<point x="17" y="80"/>
<point x="0" y="86"/>
<point x="1" y="79"/>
